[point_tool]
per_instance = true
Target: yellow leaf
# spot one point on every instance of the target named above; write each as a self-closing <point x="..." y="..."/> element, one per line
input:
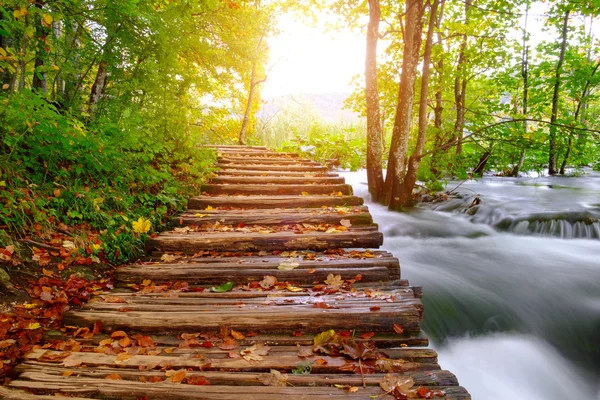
<point x="21" y="12"/>
<point x="200" y="215"/>
<point x="142" y="225"/>
<point x="47" y="20"/>
<point x="34" y="325"/>
<point x="47" y="273"/>
<point x="2" y="52"/>
<point x="292" y="288"/>
<point x="208" y="208"/>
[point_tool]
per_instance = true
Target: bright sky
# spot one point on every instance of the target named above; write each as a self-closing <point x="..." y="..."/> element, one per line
<point x="310" y="60"/>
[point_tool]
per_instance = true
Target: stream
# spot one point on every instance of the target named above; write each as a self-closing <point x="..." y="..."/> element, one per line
<point x="511" y="278"/>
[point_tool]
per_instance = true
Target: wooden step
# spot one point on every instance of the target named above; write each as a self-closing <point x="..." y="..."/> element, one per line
<point x="250" y="202"/>
<point x="235" y="172"/>
<point x="279" y="189"/>
<point x="256" y="241"/>
<point x="270" y="312"/>
<point x="267" y="161"/>
<point x="252" y="180"/>
<point x="236" y="147"/>
<point x="93" y="382"/>
<point x="272" y="167"/>
<point x="254" y="153"/>
<point x="244" y="270"/>
<point x="355" y="215"/>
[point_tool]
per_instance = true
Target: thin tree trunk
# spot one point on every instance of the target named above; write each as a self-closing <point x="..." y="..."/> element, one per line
<point x="374" y="126"/>
<point x="580" y="105"/>
<point x="6" y="78"/>
<point x="39" y="78"/>
<point x="399" y="149"/>
<point x="552" y="153"/>
<point x="460" y="86"/>
<point x="253" y="84"/>
<point x="525" y="76"/>
<point x="98" y="86"/>
<point x="438" y="110"/>
<point x="415" y="157"/>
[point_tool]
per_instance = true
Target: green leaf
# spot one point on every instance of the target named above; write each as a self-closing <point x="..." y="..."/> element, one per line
<point x="226" y="287"/>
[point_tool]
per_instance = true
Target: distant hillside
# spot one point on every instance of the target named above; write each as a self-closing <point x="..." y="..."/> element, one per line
<point x="327" y="106"/>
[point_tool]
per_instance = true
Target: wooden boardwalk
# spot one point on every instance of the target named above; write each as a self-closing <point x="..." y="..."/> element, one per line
<point x="312" y="310"/>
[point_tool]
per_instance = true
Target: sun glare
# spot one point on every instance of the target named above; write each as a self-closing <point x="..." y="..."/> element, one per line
<point x="308" y="59"/>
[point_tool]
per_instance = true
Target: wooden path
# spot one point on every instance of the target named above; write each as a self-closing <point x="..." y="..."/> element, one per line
<point x="311" y="310"/>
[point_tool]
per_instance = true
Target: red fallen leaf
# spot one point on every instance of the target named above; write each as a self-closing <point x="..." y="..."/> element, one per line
<point x="358" y="278"/>
<point x="347" y="368"/>
<point x="424" y="393"/>
<point x="97" y="327"/>
<point x="322" y="304"/>
<point x="345" y="333"/>
<point x="197" y="380"/>
<point x="125" y="309"/>
<point x="367" y="335"/>
<point x="297" y="333"/>
<point x="155" y="379"/>
<point x="375" y="308"/>
<point x="144" y="341"/>
<point x="118" y="334"/>
<point x="251" y="334"/>
<point x="398" y="328"/>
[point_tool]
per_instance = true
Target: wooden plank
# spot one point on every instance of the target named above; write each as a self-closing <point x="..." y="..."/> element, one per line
<point x="271" y="167"/>
<point x="313" y="216"/>
<point x="280" y="189"/>
<point x="304" y="318"/>
<point x="11" y="394"/>
<point x="236" y="147"/>
<point x="244" y="275"/>
<point x="255" y="153"/>
<point x="382" y="340"/>
<point x="258" y="159"/>
<point x="371" y="270"/>
<point x="235" y="172"/>
<point x="252" y="180"/>
<point x="246" y="202"/>
<point x="219" y="360"/>
<point x="238" y="241"/>
<point x="127" y="389"/>
<point x="430" y="378"/>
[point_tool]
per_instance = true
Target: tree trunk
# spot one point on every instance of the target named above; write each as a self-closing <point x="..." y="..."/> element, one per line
<point x="480" y="168"/>
<point x="580" y="106"/>
<point x="552" y="153"/>
<point x="415" y="158"/>
<point x="253" y="84"/>
<point x="6" y="78"/>
<point x="399" y="149"/>
<point x="98" y="86"/>
<point x="438" y="110"/>
<point x="243" y="130"/>
<point x="460" y="87"/>
<point x="525" y="76"/>
<point x="374" y="126"/>
<point x="39" y="78"/>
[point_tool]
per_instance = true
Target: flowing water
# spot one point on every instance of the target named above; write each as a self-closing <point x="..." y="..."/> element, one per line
<point x="511" y="277"/>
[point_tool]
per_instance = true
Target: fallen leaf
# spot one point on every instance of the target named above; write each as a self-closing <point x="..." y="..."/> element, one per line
<point x="375" y="308"/>
<point x="346" y="223"/>
<point x="114" y="377"/>
<point x="255" y="352"/>
<point x="288" y="265"/>
<point x="398" y="385"/>
<point x="118" y="334"/>
<point x="268" y="282"/>
<point x="67" y="373"/>
<point x="168" y="257"/>
<point x="237" y="335"/>
<point x="122" y="357"/>
<point x="274" y="378"/>
<point x="226" y="287"/>
<point x="176" y="376"/>
<point x="367" y="335"/>
<point x="398" y="328"/>
<point x="142" y="225"/>
<point x="334" y="281"/>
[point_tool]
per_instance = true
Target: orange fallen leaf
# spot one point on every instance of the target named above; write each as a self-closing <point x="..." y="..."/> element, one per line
<point x="118" y="334"/>
<point x="398" y="328"/>
<point x="114" y="377"/>
<point x="367" y="335"/>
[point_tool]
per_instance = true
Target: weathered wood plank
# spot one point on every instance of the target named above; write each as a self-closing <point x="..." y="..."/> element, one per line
<point x="280" y="189"/>
<point x="245" y="202"/>
<point x="308" y="319"/>
<point x="430" y="378"/>
<point x="253" y="180"/>
<point x="238" y="241"/>
<point x="236" y="147"/>
<point x="371" y="270"/>
<point x="267" y="217"/>
<point x="266" y="160"/>
<point x="235" y="172"/>
<point x="271" y="167"/>
<point x="255" y="153"/>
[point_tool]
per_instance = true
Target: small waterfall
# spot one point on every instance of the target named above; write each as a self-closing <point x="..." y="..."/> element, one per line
<point x="565" y="225"/>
